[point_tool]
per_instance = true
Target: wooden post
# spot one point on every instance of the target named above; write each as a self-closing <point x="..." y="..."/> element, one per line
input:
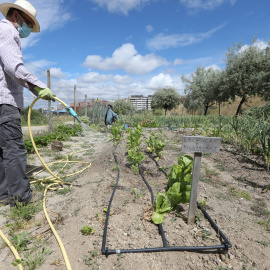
<point x="49" y="101"/>
<point x="194" y="187"/>
<point x="85" y="105"/>
<point x="198" y="145"/>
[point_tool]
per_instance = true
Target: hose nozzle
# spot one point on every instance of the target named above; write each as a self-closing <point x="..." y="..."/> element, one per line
<point x="73" y="113"/>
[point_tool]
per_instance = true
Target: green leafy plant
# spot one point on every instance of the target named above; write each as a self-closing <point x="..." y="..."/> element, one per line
<point x="155" y="144"/>
<point x="116" y="131"/>
<point x="63" y="133"/>
<point x="177" y="190"/>
<point x="87" y="230"/>
<point x="135" y="157"/>
<point x="134" y="138"/>
<point x="20" y="241"/>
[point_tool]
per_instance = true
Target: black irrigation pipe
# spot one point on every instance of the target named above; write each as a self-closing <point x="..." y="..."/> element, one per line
<point x="106" y="251"/>
<point x="109" y="205"/>
<point x="160" y="228"/>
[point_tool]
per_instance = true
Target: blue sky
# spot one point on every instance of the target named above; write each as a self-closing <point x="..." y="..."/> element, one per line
<point x="116" y="48"/>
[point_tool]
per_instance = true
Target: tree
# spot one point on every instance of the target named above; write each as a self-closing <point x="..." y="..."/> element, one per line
<point x="247" y="72"/>
<point x="191" y="105"/>
<point x="166" y="98"/>
<point x="123" y="107"/>
<point x="202" y="89"/>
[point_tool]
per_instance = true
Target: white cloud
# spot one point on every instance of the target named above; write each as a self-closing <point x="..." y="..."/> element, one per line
<point x="196" y="5"/>
<point x="126" y="58"/>
<point x="178" y="62"/>
<point x="37" y="68"/>
<point x="149" y="28"/>
<point x="122" y="79"/>
<point x="258" y="43"/>
<point x="118" y="86"/>
<point x="161" y="41"/>
<point x="57" y="72"/>
<point x="163" y="80"/>
<point x="121" y="6"/>
<point x="51" y="14"/>
<point x="214" y="67"/>
<point x="93" y="77"/>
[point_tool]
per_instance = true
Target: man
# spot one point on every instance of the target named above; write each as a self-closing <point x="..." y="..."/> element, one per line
<point x="110" y="115"/>
<point x="19" y="23"/>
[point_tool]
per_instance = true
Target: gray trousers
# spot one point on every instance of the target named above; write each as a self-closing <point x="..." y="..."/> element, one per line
<point x="14" y="183"/>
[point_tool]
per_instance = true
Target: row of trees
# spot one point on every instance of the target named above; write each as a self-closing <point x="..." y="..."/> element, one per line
<point x="247" y="74"/>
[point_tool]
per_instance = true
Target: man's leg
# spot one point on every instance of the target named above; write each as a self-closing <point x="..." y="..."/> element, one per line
<point x="14" y="159"/>
<point x="3" y="182"/>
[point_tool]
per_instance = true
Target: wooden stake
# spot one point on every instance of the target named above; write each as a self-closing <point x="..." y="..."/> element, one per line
<point x="194" y="187"/>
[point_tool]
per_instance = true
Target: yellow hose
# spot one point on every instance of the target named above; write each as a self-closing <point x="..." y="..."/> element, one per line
<point x="54" y="231"/>
<point x="58" y="180"/>
<point x="13" y="249"/>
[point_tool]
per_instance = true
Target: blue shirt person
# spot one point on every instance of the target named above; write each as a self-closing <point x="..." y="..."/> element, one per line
<point x="110" y="116"/>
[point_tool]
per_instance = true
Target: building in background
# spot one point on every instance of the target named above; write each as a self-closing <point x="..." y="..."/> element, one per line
<point x="141" y="103"/>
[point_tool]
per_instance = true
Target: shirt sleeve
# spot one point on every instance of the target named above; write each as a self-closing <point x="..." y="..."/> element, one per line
<point x="11" y="57"/>
<point x="115" y="115"/>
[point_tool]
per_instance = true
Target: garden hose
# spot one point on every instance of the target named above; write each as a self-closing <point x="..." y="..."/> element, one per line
<point x="13" y="249"/>
<point x="55" y="179"/>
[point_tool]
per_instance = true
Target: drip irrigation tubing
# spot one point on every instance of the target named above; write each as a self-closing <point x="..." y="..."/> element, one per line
<point x="106" y="251"/>
<point x="109" y="205"/>
<point x="160" y="228"/>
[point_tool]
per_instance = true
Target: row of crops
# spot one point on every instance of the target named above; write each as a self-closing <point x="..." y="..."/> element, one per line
<point x="179" y="178"/>
<point x="249" y="133"/>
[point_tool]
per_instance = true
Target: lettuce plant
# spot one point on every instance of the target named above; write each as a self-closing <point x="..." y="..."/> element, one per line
<point x="155" y="144"/>
<point x="177" y="190"/>
<point x="134" y="137"/>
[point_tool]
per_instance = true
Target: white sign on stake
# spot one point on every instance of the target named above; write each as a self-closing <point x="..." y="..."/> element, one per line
<point x="198" y="145"/>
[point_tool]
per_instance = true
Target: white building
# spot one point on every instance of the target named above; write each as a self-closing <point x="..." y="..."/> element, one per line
<point x="140" y="102"/>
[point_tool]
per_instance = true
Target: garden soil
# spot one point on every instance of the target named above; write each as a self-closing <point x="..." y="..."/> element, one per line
<point x="233" y="187"/>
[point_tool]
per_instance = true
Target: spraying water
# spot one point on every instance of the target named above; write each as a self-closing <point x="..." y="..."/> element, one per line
<point x="84" y="128"/>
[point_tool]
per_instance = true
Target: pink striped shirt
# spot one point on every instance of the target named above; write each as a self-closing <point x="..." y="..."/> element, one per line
<point x="13" y="75"/>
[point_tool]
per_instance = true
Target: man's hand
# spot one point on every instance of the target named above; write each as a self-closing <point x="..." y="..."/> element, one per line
<point x="45" y="93"/>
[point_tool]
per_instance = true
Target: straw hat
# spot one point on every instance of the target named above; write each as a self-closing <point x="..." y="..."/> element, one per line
<point x="25" y="7"/>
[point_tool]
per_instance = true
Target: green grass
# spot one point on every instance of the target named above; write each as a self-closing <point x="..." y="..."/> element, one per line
<point x="260" y="209"/>
<point x="239" y="193"/>
<point x="265" y="224"/>
<point x="63" y="191"/>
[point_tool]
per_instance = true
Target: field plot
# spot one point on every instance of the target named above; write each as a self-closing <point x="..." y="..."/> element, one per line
<point x="230" y="184"/>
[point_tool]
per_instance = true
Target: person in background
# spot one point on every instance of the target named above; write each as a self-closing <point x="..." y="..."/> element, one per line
<point x="110" y="116"/>
<point x="19" y="23"/>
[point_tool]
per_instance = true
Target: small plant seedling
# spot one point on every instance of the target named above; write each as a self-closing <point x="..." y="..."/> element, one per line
<point x="87" y="230"/>
<point x="203" y="203"/>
